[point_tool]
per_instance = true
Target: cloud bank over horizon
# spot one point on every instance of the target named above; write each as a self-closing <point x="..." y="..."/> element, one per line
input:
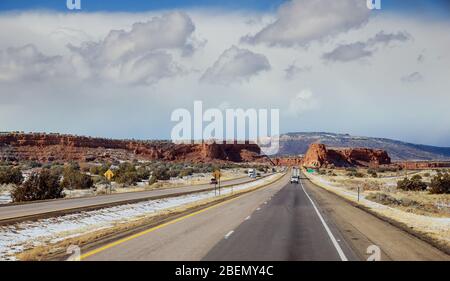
<point x="328" y="66"/>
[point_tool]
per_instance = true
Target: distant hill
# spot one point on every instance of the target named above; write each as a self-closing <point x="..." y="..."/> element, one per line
<point x="298" y="143"/>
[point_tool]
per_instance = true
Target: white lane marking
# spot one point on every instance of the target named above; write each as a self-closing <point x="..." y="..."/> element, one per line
<point x="330" y="234"/>
<point x="228" y="234"/>
<point x="258" y="209"/>
<point x="265" y="202"/>
<point x="247" y="218"/>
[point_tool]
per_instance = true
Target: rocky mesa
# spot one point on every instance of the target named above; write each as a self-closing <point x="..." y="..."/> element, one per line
<point x="57" y="147"/>
<point x="318" y="155"/>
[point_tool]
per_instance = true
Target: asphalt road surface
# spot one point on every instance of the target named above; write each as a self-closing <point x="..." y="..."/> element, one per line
<point x="8" y="212"/>
<point x="282" y="221"/>
<point x="287" y="227"/>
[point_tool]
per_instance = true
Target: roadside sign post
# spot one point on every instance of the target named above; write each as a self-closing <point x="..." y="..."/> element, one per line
<point x="216" y="175"/>
<point x="358" y="192"/>
<point x="109" y="175"/>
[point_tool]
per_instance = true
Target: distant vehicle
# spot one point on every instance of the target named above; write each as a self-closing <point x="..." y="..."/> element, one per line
<point x="213" y="181"/>
<point x="251" y="173"/>
<point x="295" y="178"/>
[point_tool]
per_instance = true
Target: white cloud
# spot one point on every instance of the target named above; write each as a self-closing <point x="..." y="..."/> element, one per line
<point x="294" y="70"/>
<point x="348" y="52"/>
<point x="235" y="65"/>
<point x="302" y="102"/>
<point x="413" y="77"/>
<point x="358" y="50"/>
<point x="27" y="63"/>
<point x="386" y="38"/>
<point x="140" y="55"/>
<point x="301" y="21"/>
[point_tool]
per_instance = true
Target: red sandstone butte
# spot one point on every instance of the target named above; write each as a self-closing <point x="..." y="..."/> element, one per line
<point x="57" y="147"/>
<point x="287" y="161"/>
<point x="422" y="165"/>
<point x="318" y="155"/>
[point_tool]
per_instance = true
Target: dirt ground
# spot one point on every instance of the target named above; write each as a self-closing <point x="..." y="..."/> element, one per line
<point x="383" y="190"/>
<point x="195" y="179"/>
<point x="425" y="213"/>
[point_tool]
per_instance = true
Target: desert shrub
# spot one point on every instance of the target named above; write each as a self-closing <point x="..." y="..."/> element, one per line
<point x="143" y="173"/>
<point x="322" y="172"/>
<point x="152" y="180"/>
<point x="372" y="172"/>
<point x="355" y="174"/>
<point x="387" y="169"/>
<point x="57" y="170"/>
<point x="100" y="180"/>
<point x="440" y="184"/>
<point x="10" y="175"/>
<point x="33" y="164"/>
<point x="74" y="179"/>
<point x="74" y="165"/>
<point x="39" y="186"/>
<point x="99" y="170"/>
<point x="84" y="167"/>
<point x="161" y="173"/>
<point x="413" y="184"/>
<point x="387" y="199"/>
<point x="331" y="173"/>
<point x="383" y="198"/>
<point x="126" y="174"/>
<point x="186" y="172"/>
<point x="173" y="173"/>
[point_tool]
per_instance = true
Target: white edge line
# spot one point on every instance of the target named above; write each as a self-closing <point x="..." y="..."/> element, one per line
<point x="228" y="234"/>
<point x="330" y="234"/>
<point x="247" y="218"/>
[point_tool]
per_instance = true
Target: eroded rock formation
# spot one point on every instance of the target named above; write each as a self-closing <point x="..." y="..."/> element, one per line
<point x="288" y="161"/>
<point x="422" y="165"/>
<point x="51" y="147"/>
<point x="318" y="155"/>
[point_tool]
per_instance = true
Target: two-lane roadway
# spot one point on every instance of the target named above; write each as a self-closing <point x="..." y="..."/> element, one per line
<point x="281" y="221"/>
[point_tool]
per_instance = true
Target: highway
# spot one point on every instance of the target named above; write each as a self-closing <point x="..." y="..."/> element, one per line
<point x="282" y="221"/>
<point x="58" y="206"/>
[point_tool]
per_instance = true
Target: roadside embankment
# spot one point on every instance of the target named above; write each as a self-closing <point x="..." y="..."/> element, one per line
<point x="434" y="230"/>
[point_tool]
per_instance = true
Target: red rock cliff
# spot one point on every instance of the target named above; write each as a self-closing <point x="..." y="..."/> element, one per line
<point x="50" y="147"/>
<point x="318" y="155"/>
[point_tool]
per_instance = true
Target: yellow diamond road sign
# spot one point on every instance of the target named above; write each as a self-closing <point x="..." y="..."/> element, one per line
<point x="217" y="174"/>
<point x="109" y="174"/>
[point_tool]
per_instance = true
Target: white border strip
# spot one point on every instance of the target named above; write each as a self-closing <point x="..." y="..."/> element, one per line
<point x="333" y="240"/>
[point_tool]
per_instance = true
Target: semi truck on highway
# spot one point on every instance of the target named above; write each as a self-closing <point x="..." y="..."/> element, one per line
<point x="295" y="175"/>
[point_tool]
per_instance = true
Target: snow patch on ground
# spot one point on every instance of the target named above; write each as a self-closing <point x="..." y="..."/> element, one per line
<point x="436" y="227"/>
<point x="5" y="198"/>
<point x="25" y="235"/>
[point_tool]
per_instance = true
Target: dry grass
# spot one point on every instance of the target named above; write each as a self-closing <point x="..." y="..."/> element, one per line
<point x="415" y="212"/>
<point x="383" y="190"/>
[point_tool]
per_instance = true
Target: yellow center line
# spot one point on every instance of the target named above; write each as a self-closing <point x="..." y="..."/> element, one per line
<point x="128" y="238"/>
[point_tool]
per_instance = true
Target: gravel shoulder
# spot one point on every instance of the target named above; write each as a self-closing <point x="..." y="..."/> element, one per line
<point x="401" y="235"/>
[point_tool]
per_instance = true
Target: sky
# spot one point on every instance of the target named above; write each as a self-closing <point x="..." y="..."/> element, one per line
<point x="119" y="68"/>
